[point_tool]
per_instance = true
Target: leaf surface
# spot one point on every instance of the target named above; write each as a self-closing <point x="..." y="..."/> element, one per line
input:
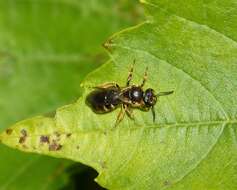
<point x="193" y="143"/>
<point x="45" y="52"/>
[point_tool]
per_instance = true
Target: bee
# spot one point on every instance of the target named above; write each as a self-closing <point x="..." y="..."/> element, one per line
<point x="109" y="96"/>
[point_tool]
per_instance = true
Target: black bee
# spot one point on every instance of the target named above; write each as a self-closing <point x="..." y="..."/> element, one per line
<point x="109" y="96"/>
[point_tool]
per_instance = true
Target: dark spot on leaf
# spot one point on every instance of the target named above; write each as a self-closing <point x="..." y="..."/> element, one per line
<point x="24" y="146"/>
<point x="108" y="45"/>
<point x="9" y="131"/>
<point x="23" y="137"/>
<point x="54" y="146"/>
<point x="78" y="147"/>
<point x="22" y="140"/>
<point x="44" y="139"/>
<point x="69" y="134"/>
<point x="24" y="132"/>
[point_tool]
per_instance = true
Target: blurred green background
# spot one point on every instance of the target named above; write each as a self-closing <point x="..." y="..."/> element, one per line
<point x="46" y="48"/>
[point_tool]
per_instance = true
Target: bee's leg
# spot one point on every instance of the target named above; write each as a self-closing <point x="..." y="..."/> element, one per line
<point x="144" y="77"/>
<point x="130" y="74"/>
<point x="129" y="111"/>
<point x="107" y="85"/>
<point x="120" y="116"/>
<point x="125" y="101"/>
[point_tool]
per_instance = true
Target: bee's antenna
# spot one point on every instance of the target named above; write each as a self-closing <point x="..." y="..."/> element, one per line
<point x="165" y="93"/>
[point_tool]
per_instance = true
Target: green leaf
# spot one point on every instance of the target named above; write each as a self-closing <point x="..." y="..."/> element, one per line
<point x="45" y="52"/>
<point x="193" y="143"/>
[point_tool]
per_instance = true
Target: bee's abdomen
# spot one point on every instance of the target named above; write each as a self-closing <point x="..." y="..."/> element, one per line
<point x="103" y="101"/>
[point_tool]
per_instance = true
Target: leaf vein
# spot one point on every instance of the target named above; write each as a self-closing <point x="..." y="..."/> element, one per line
<point x="201" y="159"/>
<point x="187" y="74"/>
<point x="191" y="21"/>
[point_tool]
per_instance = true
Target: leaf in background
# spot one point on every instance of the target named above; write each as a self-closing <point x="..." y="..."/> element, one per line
<point x="45" y="52"/>
<point x="193" y="143"/>
<point x="28" y="171"/>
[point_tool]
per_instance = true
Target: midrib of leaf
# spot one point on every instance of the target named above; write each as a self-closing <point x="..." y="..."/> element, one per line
<point x="189" y="20"/>
<point x="139" y="127"/>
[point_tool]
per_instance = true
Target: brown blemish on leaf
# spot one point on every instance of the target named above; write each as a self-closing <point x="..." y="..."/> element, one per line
<point x="24" y="146"/>
<point x="78" y="147"/>
<point x="22" y="140"/>
<point x="54" y="146"/>
<point x="23" y="137"/>
<point x="68" y="135"/>
<point x="9" y="131"/>
<point x="108" y="45"/>
<point x="44" y="139"/>
<point x="24" y="132"/>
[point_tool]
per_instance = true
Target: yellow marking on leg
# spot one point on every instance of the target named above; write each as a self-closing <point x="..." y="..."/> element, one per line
<point x="129" y="111"/>
<point x="120" y="116"/>
<point x="130" y="74"/>
<point x="106" y="109"/>
<point x="144" y="77"/>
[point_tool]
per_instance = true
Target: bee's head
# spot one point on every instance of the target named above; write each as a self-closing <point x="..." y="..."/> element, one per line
<point x="149" y="97"/>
